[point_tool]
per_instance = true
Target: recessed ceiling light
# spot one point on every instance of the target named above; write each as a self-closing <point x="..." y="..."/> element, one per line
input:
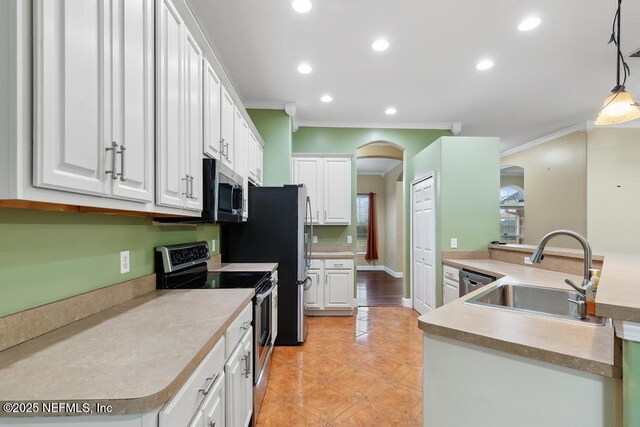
<point x="326" y="98"/>
<point x="304" y="68"/>
<point x="390" y="111"/>
<point x="380" y="44"/>
<point x="301" y="6"/>
<point x="485" y="64"/>
<point x="529" y="24"/>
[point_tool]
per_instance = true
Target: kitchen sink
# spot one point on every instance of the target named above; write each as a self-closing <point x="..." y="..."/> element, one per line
<point x="541" y="301"/>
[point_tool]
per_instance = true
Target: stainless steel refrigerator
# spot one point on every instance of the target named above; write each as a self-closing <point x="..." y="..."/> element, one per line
<point x="279" y="229"/>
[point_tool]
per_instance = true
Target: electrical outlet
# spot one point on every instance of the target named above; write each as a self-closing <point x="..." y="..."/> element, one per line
<point x="125" y="262"/>
<point x="349" y="239"/>
<point x="527" y="260"/>
<point x="315" y="239"/>
<point x="454" y="243"/>
<point x="213" y="246"/>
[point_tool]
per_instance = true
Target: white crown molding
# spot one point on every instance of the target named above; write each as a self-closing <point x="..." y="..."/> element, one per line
<point x="265" y="105"/>
<point x="455" y="128"/>
<point x="580" y="127"/>
<point x="629" y="331"/>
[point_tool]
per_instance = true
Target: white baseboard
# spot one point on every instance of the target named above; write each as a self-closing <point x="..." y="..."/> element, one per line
<point x="380" y="268"/>
<point x="406" y="302"/>
<point x="370" y="268"/>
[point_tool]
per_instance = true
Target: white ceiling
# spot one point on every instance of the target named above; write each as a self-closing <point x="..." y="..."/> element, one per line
<point x="375" y="166"/>
<point x="552" y="77"/>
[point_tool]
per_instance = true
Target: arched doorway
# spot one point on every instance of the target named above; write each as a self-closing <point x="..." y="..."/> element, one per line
<point x="380" y="224"/>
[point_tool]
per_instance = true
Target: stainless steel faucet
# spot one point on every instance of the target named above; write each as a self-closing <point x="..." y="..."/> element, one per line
<point x="536" y="258"/>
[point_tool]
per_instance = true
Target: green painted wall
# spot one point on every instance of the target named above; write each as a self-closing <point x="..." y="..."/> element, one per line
<point x="275" y="128"/>
<point x="346" y="141"/>
<point x="467" y="190"/>
<point x="631" y="383"/>
<point x="48" y="256"/>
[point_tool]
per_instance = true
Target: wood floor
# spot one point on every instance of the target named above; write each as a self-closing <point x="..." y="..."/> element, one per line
<point x="364" y="370"/>
<point x="379" y="289"/>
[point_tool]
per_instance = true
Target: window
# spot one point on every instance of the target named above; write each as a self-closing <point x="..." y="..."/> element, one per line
<point x="511" y="214"/>
<point x="362" y="222"/>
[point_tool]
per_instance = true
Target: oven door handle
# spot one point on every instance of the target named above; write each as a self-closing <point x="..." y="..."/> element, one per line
<point x="261" y="297"/>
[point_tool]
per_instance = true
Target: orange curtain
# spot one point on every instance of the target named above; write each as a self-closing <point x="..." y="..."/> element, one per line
<point x="372" y="236"/>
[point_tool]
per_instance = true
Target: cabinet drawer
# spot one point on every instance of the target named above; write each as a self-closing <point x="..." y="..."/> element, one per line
<point x="450" y="273"/>
<point x="182" y="407"/>
<point x="449" y="293"/>
<point x="316" y="264"/>
<point x="346" y="264"/>
<point x="237" y="328"/>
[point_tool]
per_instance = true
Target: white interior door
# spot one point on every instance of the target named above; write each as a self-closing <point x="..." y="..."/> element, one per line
<point x="423" y="242"/>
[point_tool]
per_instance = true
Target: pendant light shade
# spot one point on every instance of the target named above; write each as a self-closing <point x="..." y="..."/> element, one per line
<point x="619" y="107"/>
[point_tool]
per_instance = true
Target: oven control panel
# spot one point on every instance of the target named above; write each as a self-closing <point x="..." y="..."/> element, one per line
<point x="178" y="257"/>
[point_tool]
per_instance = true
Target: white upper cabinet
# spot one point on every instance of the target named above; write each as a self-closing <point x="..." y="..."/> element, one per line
<point x="255" y="159"/>
<point x="328" y="182"/>
<point x="180" y="113"/>
<point x="337" y="190"/>
<point x="227" y="108"/>
<point x="259" y="162"/>
<point x="193" y="123"/>
<point x="241" y="163"/>
<point x="170" y="185"/>
<point x="212" y="138"/>
<point x="93" y="104"/>
<point x="308" y="171"/>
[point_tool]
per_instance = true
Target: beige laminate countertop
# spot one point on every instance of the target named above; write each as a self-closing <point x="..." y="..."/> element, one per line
<point x="618" y="294"/>
<point x="245" y="266"/>
<point x="332" y="255"/>
<point x="134" y="356"/>
<point x="580" y="346"/>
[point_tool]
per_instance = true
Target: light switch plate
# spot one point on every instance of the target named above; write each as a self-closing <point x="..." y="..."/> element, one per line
<point x="213" y="246"/>
<point x="349" y="239"/>
<point x="125" y="262"/>
<point x="454" y="243"/>
<point x="315" y="239"/>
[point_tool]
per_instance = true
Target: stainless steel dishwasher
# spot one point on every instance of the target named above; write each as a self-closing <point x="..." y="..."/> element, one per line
<point x="471" y="281"/>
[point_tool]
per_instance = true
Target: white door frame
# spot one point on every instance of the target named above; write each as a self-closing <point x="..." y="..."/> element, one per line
<point x="424" y="177"/>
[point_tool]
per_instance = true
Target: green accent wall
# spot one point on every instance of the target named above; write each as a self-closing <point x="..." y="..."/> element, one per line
<point x="275" y="128"/>
<point x="48" y="256"/>
<point x="467" y="171"/>
<point x="631" y="383"/>
<point x="313" y="140"/>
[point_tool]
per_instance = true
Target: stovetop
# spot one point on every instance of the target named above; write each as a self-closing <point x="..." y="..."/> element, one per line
<point x="231" y="280"/>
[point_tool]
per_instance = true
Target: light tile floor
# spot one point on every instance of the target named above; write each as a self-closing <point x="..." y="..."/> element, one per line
<point x="364" y="370"/>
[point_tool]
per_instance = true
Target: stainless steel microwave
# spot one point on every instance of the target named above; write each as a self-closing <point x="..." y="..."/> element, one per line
<point x="222" y="193"/>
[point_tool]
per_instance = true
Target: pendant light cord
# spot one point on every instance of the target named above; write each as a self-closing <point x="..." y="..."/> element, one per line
<point x="616" y="39"/>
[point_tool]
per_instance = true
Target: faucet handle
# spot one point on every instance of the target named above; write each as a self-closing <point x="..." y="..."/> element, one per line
<point x="573" y="285"/>
<point x="581" y="310"/>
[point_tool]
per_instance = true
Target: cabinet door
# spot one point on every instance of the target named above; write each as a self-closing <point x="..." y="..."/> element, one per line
<point x="338" y="289"/>
<point x="308" y="171"/>
<point x="133" y="98"/>
<point x="234" y="371"/>
<point x="226" y="127"/>
<point x="241" y="162"/>
<point x="213" y="407"/>
<point x="260" y="162"/>
<point x="337" y="191"/>
<point x="247" y="386"/>
<point x="170" y="180"/>
<point x="211" y="142"/>
<point x="313" y="295"/>
<point x="193" y="123"/>
<point x="253" y="157"/>
<point x="72" y="96"/>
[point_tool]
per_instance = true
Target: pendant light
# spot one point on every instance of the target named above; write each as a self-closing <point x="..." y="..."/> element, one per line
<point x="619" y="107"/>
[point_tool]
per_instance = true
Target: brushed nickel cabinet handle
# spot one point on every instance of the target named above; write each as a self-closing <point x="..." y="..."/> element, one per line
<point x="121" y="152"/>
<point x="207" y="388"/>
<point x="113" y="149"/>
<point x="186" y="193"/>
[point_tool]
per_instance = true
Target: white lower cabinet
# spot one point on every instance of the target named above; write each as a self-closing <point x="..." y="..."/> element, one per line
<point x="211" y="414"/>
<point x="331" y="286"/>
<point x="239" y="383"/>
<point x="450" y="284"/>
<point x="274" y="310"/>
